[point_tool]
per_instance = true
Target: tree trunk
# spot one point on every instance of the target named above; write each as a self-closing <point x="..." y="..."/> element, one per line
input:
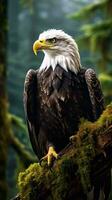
<point x="4" y="122"/>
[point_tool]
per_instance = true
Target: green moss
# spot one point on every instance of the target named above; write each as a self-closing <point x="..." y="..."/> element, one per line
<point x="85" y="154"/>
<point x="106" y="118"/>
<point x="36" y="177"/>
<point x="27" y="177"/>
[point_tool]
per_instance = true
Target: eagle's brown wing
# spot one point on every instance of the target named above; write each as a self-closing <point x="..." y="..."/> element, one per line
<point x="31" y="105"/>
<point x="97" y="101"/>
<point x="95" y="93"/>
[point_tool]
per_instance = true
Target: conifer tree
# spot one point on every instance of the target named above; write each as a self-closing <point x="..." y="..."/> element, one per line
<point x="97" y="33"/>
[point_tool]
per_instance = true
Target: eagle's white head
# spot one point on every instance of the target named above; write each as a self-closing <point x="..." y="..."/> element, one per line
<point x="59" y="48"/>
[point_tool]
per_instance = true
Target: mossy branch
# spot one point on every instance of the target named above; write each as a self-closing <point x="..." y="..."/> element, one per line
<point x="81" y="165"/>
<point x="17" y="121"/>
<point x="25" y="156"/>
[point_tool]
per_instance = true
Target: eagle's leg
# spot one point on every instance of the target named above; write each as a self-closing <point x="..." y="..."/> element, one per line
<point x="51" y="155"/>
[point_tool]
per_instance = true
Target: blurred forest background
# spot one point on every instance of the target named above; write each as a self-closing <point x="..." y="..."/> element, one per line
<point x="21" y="21"/>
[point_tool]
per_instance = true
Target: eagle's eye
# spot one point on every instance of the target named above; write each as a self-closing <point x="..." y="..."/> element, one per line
<point x="52" y="40"/>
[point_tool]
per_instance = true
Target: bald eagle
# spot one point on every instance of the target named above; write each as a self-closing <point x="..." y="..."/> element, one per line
<point x="59" y="94"/>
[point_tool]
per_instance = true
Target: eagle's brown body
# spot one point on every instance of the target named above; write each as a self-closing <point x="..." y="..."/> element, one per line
<point x="55" y="101"/>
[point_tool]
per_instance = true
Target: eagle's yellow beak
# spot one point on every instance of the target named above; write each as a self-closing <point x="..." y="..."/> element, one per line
<point x="40" y="44"/>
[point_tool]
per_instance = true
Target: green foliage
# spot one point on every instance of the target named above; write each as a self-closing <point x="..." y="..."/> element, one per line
<point x="106" y="82"/>
<point x="89" y="10"/>
<point x="97" y="33"/>
<point x="26" y="3"/>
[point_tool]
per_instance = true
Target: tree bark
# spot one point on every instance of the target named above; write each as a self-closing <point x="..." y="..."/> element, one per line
<point x="4" y="121"/>
<point x="83" y="164"/>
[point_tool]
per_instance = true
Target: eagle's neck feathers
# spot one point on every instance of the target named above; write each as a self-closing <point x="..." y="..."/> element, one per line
<point x="68" y="59"/>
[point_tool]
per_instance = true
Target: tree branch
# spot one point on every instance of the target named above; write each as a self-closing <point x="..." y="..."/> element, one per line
<point x="25" y="156"/>
<point x="17" y="121"/>
<point x="82" y="164"/>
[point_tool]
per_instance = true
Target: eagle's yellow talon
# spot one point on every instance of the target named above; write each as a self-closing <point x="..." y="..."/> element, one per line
<point x="50" y="155"/>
